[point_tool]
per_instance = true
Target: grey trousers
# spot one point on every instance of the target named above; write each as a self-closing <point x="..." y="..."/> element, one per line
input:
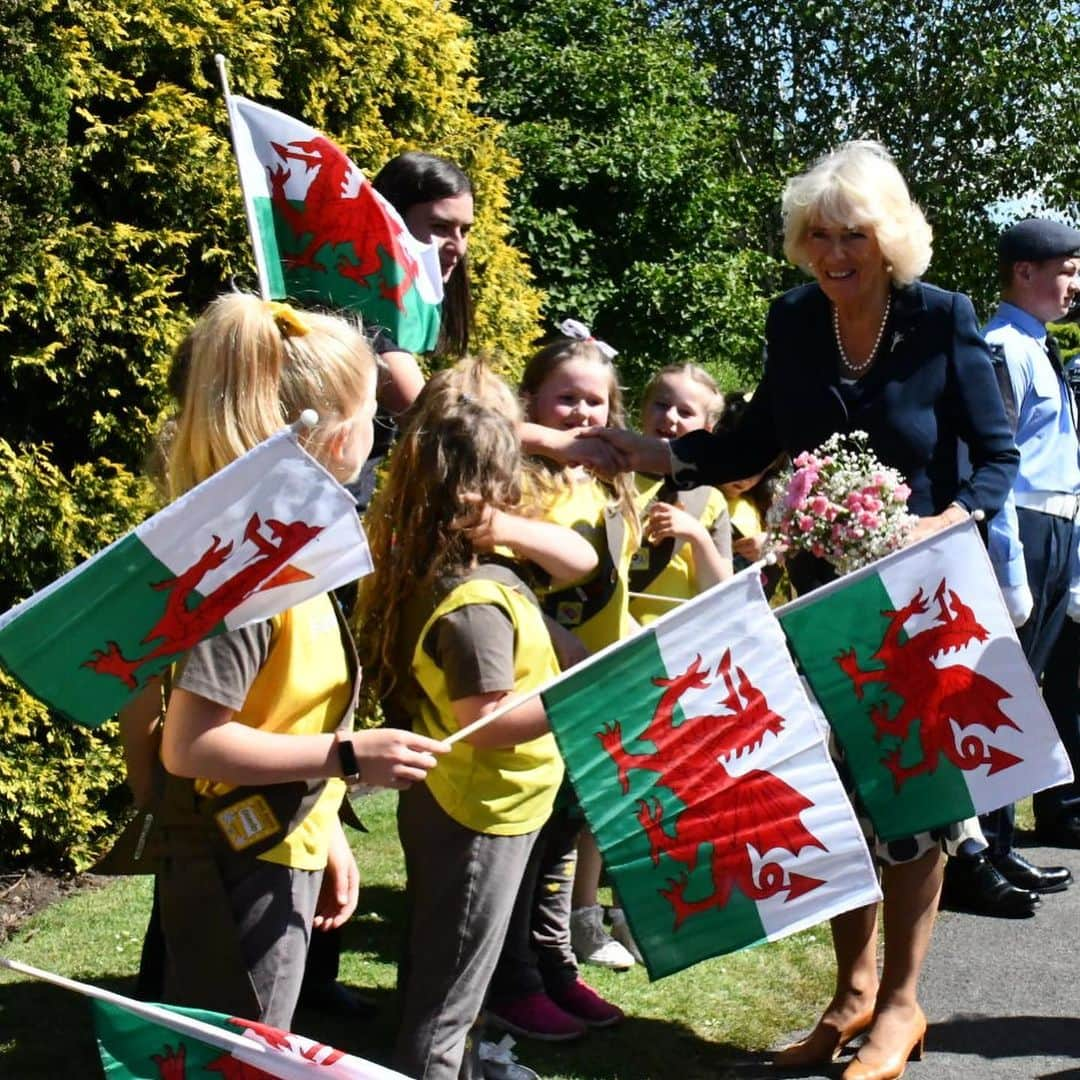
<point x="236" y="935"/>
<point x="460" y="890"/>
<point x="537" y="954"/>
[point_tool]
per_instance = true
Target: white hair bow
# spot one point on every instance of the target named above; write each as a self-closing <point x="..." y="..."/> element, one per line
<point x="578" y="330"/>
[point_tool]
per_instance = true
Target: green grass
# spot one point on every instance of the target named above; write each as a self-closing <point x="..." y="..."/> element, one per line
<point x="687" y="1025"/>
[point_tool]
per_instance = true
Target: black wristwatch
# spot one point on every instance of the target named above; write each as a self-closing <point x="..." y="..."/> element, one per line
<point x="350" y="767"/>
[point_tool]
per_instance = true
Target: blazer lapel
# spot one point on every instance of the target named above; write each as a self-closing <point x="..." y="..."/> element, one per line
<point x="902" y="332"/>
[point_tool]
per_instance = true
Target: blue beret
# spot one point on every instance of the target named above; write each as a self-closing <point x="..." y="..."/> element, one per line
<point x="1036" y="239"/>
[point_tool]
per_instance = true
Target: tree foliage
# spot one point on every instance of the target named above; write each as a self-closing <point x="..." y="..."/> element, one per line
<point x="120" y="217"/>
<point x="975" y="100"/>
<point x="632" y="203"/>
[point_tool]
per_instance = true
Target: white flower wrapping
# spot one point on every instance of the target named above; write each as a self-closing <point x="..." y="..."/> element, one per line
<point x="840" y="503"/>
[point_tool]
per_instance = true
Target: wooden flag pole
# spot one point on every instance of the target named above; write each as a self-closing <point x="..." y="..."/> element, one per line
<point x="249" y="206"/>
<point x="513" y="702"/>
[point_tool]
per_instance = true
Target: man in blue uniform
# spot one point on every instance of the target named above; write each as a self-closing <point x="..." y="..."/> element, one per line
<point x="1035" y="546"/>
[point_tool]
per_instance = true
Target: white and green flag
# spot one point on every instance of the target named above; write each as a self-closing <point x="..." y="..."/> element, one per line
<point x="269" y="530"/>
<point x="324" y="236"/>
<point x="705" y="778"/>
<point x="915" y="663"/>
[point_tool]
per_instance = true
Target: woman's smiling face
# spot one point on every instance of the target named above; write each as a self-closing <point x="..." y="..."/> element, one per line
<point x="847" y="262"/>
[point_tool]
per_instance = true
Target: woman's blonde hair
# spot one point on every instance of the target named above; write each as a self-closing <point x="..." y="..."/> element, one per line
<point x="249" y="367"/>
<point x="859" y="186"/>
<point x="699" y="375"/>
<point x="459" y="443"/>
<point x="551" y="478"/>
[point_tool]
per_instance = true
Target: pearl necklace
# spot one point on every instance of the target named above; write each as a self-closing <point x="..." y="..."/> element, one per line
<point x="858" y="369"/>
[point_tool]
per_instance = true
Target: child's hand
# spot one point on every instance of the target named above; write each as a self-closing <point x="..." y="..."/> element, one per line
<point x="340" y="884"/>
<point x="389" y="757"/>
<point x="482" y="524"/>
<point x="666" y="520"/>
<point x="750" y="548"/>
<point x="625" y="451"/>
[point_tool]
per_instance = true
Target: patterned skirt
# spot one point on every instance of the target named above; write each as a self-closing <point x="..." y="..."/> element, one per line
<point x="956" y="838"/>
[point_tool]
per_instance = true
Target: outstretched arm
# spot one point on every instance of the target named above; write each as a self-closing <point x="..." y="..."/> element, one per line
<point x="526" y="722"/>
<point x="572" y="448"/>
<point x="201" y="739"/>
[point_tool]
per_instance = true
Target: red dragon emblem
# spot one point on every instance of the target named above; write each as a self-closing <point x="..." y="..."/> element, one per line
<point x="731" y="813"/>
<point x="172" y="1064"/>
<point x="934" y="694"/>
<point x="330" y="216"/>
<point x="181" y="626"/>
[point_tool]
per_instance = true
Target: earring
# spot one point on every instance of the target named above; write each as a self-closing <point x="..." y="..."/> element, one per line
<point x="888" y="268"/>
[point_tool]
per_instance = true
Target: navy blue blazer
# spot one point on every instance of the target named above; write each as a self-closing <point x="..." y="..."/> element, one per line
<point x="931" y="389"/>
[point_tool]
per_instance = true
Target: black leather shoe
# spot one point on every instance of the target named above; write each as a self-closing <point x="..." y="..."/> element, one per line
<point x="1064" y="832"/>
<point x="975" y="885"/>
<point x="1040" y="879"/>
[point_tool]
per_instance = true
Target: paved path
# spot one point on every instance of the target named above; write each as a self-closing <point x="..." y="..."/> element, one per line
<point x="1002" y="995"/>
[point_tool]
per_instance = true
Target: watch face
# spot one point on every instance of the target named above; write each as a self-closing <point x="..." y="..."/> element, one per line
<point x="350" y="767"/>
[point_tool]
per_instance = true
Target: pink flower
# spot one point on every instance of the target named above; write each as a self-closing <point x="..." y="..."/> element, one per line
<point x="901" y="493"/>
<point x="819" y="504"/>
<point x="831" y="512"/>
<point x="853" y="501"/>
<point x="805" y="522"/>
<point x="800" y="486"/>
<point x="868" y="520"/>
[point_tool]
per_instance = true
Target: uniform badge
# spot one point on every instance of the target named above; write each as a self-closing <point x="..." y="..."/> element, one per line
<point x="569" y="612"/>
<point x="247" y="822"/>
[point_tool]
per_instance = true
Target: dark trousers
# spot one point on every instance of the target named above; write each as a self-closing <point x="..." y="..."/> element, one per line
<point x="236" y="935"/>
<point x="537" y="954"/>
<point x="1050" y="644"/>
<point x="1061" y="691"/>
<point x="460" y="891"/>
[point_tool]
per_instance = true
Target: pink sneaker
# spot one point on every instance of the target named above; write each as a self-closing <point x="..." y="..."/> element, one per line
<point x="581" y="1000"/>
<point x="537" y="1017"/>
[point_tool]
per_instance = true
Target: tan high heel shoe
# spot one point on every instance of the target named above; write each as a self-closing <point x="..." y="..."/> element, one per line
<point x="822" y="1045"/>
<point x="892" y="1068"/>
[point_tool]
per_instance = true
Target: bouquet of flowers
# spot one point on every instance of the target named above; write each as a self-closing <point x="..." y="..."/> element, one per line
<point x="840" y="503"/>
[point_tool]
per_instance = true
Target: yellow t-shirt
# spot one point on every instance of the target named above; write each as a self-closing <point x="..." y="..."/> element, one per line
<point x="745" y="517"/>
<point x="303" y="687"/>
<point x="502" y="792"/>
<point x="678" y="579"/>
<point x="584" y="506"/>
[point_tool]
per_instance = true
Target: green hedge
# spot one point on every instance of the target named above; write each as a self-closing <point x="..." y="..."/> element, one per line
<point x="120" y="217"/>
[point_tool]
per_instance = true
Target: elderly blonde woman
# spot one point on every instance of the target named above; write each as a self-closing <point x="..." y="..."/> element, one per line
<point x="867" y="346"/>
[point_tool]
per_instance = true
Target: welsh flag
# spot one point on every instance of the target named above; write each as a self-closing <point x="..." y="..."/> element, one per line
<point x="162" y="1042"/>
<point x="916" y="665"/>
<point x="324" y="236"/>
<point x="705" y="779"/>
<point x="271" y="529"/>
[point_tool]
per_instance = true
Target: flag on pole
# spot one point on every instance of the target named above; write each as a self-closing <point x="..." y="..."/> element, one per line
<point x="271" y="529"/>
<point x="325" y="235"/>
<point x="915" y="663"/>
<point x="170" y="1046"/>
<point x="705" y="779"/>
